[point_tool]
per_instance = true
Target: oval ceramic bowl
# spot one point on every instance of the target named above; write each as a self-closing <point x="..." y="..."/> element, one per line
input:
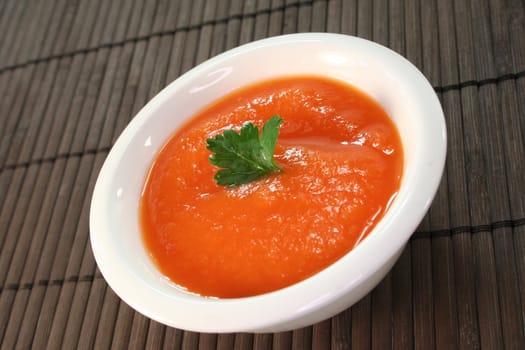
<point x="390" y="79"/>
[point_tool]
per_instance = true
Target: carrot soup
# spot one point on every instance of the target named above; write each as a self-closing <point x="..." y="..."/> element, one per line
<point x="341" y="159"/>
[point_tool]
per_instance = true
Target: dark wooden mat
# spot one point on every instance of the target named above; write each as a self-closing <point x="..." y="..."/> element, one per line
<point x="73" y="73"/>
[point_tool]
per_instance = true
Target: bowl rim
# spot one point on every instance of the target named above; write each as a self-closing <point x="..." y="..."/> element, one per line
<point x="300" y="298"/>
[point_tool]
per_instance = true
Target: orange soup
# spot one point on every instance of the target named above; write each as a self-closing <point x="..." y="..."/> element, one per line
<point x="341" y="160"/>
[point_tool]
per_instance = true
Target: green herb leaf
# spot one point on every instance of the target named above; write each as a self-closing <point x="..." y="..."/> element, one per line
<point x="244" y="157"/>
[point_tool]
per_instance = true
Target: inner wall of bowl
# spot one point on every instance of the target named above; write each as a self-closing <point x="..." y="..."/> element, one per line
<point x="203" y="85"/>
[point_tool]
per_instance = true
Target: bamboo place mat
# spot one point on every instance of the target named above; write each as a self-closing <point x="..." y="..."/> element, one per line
<point x="73" y="74"/>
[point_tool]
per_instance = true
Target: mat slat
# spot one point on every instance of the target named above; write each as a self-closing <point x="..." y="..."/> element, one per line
<point x="275" y="20"/>
<point x="25" y="137"/>
<point x="486" y="291"/>
<point x="321" y="335"/>
<point x="515" y="11"/>
<point x="361" y="323"/>
<point x="37" y="237"/>
<point x="26" y="113"/>
<point x="155" y="336"/>
<point x="305" y="19"/>
<point x="246" y="25"/>
<point x="20" y="200"/>
<point x="83" y="25"/>
<point x="93" y="93"/>
<point x="423" y="303"/>
<point x="11" y="31"/>
<point x="381" y="315"/>
<point x="14" y="252"/>
<point x="79" y="264"/>
<point x="6" y="11"/>
<point x="413" y="33"/>
<point x="177" y="51"/>
<point x="333" y="17"/>
<point x="70" y="99"/>
<point x="17" y="88"/>
<point x="106" y="322"/>
<point x="445" y="308"/>
<point x="43" y="26"/>
<point x="260" y="341"/>
<point x="341" y="324"/>
<point x="31" y="16"/>
<point x="519" y="251"/>
<point x="9" y="217"/>
<point x="159" y="78"/>
<point x="137" y="52"/>
<point x="364" y="19"/>
<point x="402" y="317"/>
<point x="467" y="312"/>
<point x="281" y="341"/>
<point x="151" y="48"/>
<point x="53" y="112"/>
<point x="512" y="149"/>
<point x="121" y="58"/>
<point x="261" y="19"/>
<point x="508" y="288"/>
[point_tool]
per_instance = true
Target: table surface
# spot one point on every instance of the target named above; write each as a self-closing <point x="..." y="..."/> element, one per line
<point x="73" y="74"/>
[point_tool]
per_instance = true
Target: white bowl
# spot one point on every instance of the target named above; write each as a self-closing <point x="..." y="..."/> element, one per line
<point x="389" y="78"/>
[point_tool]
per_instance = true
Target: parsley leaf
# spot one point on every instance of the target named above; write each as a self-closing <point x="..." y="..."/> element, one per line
<point x="244" y="157"/>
